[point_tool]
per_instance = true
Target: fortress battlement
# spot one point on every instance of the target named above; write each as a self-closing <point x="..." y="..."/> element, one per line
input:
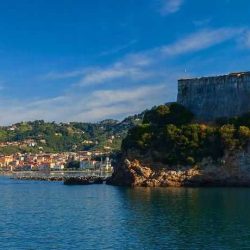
<point x="213" y="97"/>
<point x="233" y="74"/>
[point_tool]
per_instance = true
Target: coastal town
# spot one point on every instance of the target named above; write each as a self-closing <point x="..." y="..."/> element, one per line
<point x="82" y="160"/>
<point x="39" y="147"/>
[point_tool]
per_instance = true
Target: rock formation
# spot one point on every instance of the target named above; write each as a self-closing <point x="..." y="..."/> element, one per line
<point x="208" y="98"/>
<point x="232" y="170"/>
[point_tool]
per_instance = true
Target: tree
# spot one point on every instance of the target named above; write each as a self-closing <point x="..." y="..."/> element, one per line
<point x="244" y="136"/>
<point x="227" y="133"/>
<point x="173" y="113"/>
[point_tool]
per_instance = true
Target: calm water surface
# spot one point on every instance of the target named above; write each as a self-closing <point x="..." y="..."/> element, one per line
<point x="41" y="215"/>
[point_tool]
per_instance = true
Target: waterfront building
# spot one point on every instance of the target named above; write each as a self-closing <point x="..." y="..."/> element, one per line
<point x="87" y="164"/>
<point x="57" y="166"/>
<point x="106" y="165"/>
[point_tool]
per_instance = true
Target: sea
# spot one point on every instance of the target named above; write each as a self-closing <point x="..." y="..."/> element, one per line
<point x="49" y="215"/>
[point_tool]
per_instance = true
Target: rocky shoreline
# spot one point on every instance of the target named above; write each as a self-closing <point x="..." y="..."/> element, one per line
<point x="134" y="173"/>
<point x="233" y="170"/>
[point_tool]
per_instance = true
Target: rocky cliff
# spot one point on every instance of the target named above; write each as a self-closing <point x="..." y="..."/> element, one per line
<point x="214" y="97"/>
<point x="194" y="154"/>
<point x="232" y="170"/>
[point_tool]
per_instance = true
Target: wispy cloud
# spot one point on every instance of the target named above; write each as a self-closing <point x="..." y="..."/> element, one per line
<point x="139" y="66"/>
<point x="202" y="22"/>
<point x="129" y="67"/>
<point x="201" y="40"/>
<point x="64" y="75"/>
<point x="118" y="48"/>
<point x="244" y="41"/>
<point x="170" y="6"/>
<point x="126" y="86"/>
<point x="113" y="72"/>
<point x="98" y="105"/>
<point x="121" y="102"/>
<point x="107" y="97"/>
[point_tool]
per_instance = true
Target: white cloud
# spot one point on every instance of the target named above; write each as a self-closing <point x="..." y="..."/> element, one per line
<point x="202" y="22"/>
<point x="244" y="41"/>
<point x="139" y="66"/>
<point x="201" y="40"/>
<point x="99" y="91"/>
<point x="96" y="106"/>
<point x="111" y="73"/>
<point x="118" y="48"/>
<point x="107" y="97"/>
<point x="131" y="67"/>
<point x="170" y="6"/>
<point x="120" y="103"/>
<point x="100" y="75"/>
<point x="64" y="75"/>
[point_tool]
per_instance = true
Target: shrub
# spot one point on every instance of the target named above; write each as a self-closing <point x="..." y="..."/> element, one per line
<point x="168" y="114"/>
<point x="190" y="160"/>
<point x="168" y="135"/>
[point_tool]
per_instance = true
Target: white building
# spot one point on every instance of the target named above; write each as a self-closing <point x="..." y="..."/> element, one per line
<point x="106" y="165"/>
<point x="87" y="164"/>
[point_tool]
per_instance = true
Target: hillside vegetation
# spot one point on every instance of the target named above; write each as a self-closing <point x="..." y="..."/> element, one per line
<point x="53" y="137"/>
<point x="169" y="135"/>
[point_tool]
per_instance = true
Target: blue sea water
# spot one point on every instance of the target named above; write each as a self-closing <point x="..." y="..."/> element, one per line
<point x="43" y="215"/>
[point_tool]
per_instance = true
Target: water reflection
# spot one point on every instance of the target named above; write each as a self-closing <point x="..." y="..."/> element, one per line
<point x="42" y="215"/>
<point x="189" y="218"/>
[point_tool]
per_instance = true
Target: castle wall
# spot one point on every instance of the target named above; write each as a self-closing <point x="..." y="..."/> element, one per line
<point x="213" y="97"/>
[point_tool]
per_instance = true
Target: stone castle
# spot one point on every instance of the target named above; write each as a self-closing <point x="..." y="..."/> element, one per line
<point x="214" y="97"/>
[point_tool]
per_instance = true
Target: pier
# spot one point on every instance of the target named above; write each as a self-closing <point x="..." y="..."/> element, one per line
<point x="67" y="177"/>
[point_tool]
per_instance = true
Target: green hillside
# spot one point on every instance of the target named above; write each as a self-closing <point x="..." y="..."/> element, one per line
<point x="58" y="137"/>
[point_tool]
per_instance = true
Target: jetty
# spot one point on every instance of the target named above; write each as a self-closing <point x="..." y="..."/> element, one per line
<point x="38" y="178"/>
<point x="84" y="180"/>
<point x="77" y="178"/>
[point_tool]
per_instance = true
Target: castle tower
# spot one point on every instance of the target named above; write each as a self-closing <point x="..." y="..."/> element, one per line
<point x="214" y="97"/>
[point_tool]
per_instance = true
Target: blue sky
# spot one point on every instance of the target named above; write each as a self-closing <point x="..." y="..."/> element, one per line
<point x="87" y="60"/>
